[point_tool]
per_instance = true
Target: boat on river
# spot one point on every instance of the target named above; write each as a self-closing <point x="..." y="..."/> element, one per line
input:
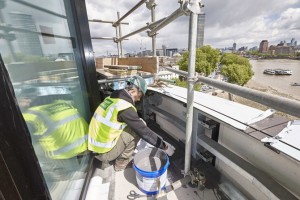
<point x="278" y="71"/>
<point x="295" y="84"/>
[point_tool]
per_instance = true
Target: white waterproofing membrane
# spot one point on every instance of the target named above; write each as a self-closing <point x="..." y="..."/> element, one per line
<point x="235" y="114"/>
<point x="288" y="140"/>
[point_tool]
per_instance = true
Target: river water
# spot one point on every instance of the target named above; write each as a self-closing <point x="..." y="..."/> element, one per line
<point x="281" y="83"/>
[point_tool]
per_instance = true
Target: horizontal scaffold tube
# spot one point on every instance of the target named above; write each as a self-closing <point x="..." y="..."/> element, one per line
<point x="129" y="12"/>
<point x="177" y="13"/>
<point x="148" y="26"/>
<point x="102" y="38"/>
<point x="105" y="21"/>
<point x="282" y="104"/>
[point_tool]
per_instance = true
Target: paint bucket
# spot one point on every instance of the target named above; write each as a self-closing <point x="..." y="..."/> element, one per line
<point x="151" y="166"/>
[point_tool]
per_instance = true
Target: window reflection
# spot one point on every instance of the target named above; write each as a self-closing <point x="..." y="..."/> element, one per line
<point x="38" y="47"/>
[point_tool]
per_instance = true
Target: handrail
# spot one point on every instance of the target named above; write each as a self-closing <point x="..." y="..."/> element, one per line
<point x="282" y="104"/>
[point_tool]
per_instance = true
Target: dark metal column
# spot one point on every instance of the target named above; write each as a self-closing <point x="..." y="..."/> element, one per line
<point x="84" y="50"/>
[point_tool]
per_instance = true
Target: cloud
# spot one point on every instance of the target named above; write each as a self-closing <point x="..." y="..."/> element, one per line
<point x="244" y="22"/>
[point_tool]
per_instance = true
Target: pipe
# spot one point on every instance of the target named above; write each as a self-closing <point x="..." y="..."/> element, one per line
<point x="190" y="90"/>
<point x="120" y="35"/>
<point x="166" y="80"/>
<point x="177" y="71"/>
<point x="148" y="26"/>
<point x="177" y="13"/>
<point x="117" y="41"/>
<point x="102" y="38"/>
<point x="129" y="12"/>
<point x="153" y="36"/>
<point x="282" y="104"/>
<point x="120" y="79"/>
<point x="105" y="21"/>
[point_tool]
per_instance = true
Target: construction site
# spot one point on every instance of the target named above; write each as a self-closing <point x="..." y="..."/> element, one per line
<point x="52" y="87"/>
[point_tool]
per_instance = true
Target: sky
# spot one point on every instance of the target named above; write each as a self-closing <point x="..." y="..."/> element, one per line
<point x="245" y="22"/>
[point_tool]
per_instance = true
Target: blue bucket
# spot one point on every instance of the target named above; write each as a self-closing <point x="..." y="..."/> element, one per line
<point x="151" y="166"/>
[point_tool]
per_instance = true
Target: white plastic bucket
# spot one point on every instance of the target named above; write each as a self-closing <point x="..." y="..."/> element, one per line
<point x="151" y="170"/>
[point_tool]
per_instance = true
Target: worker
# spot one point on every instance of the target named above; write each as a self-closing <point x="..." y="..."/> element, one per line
<point x="58" y="128"/>
<point x="116" y="128"/>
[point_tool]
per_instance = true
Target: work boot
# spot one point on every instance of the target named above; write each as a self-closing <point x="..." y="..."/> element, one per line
<point x="121" y="164"/>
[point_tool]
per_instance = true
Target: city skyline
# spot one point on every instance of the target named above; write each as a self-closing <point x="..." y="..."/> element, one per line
<point x="246" y="24"/>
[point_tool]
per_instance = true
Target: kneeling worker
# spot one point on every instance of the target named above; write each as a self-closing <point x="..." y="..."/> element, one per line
<point x="116" y="127"/>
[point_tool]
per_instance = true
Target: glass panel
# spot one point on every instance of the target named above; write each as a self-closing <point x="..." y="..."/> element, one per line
<point x="37" y="43"/>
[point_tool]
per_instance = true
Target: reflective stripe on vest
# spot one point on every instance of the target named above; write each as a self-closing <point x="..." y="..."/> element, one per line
<point x="69" y="147"/>
<point x="64" y="137"/>
<point x="113" y="125"/>
<point x="104" y="128"/>
<point x="103" y="145"/>
<point x="52" y="126"/>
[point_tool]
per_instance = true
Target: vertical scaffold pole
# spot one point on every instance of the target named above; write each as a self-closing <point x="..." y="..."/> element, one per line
<point x="153" y="36"/>
<point x="120" y="35"/>
<point x="117" y="36"/>
<point x="190" y="90"/>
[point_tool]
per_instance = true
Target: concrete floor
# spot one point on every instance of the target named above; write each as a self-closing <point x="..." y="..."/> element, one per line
<point x="125" y="181"/>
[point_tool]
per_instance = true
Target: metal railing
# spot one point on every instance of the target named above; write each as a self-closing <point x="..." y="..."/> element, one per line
<point x="282" y="104"/>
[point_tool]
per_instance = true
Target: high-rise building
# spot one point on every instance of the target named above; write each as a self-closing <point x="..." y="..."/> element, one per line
<point x="164" y="47"/>
<point x="293" y="42"/>
<point x="263" y="46"/>
<point x="28" y="43"/>
<point x="200" y="30"/>
<point x="234" y="46"/>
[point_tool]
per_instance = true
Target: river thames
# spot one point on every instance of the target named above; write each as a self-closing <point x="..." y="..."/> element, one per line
<point x="281" y="83"/>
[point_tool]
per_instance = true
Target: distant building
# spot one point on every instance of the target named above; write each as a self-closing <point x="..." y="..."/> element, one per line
<point x="28" y="43"/>
<point x="293" y="42"/>
<point x="243" y="49"/>
<point x="164" y="47"/>
<point x="282" y="43"/>
<point x="171" y="51"/>
<point x="234" y="46"/>
<point x="263" y="46"/>
<point x="200" y="30"/>
<point x="145" y="53"/>
<point x="253" y="48"/>
<point x="159" y="52"/>
<point x="226" y="50"/>
<point x="282" y="49"/>
<point x="182" y="51"/>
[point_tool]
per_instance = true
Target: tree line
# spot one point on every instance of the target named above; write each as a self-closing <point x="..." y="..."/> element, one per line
<point x="235" y="68"/>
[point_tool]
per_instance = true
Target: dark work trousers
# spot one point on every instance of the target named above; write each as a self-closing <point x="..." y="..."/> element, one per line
<point x="124" y="148"/>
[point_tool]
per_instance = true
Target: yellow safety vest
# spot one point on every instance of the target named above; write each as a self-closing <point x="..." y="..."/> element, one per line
<point x="105" y="129"/>
<point x="59" y="129"/>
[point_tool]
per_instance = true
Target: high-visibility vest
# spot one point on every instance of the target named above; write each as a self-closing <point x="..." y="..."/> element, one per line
<point x="105" y="129"/>
<point x="59" y="129"/>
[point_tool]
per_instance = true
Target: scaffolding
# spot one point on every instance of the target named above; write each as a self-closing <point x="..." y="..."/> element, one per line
<point x="193" y="9"/>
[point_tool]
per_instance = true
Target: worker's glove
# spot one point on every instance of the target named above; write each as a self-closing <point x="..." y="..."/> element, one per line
<point x="169" y="149"/>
